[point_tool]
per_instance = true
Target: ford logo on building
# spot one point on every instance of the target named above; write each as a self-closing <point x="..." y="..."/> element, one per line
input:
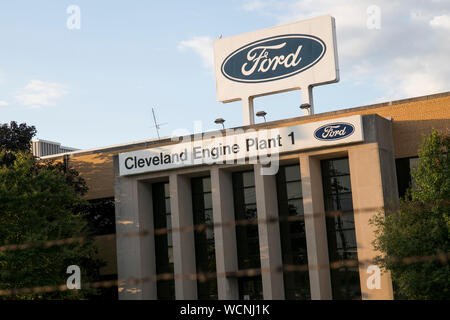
<point x="334" y="131"/>
<point x="273" y="58"/>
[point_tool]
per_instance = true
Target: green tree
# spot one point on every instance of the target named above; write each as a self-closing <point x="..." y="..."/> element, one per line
<point x="14" y="138"/>
<point x="414" y="240"/>
<point x="40" y="202"/>
<point x="17" y="138"/>
<point x="37" y="206"/>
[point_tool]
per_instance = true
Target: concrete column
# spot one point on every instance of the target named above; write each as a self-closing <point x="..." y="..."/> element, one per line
<point x="183" y="242"/>
<point x="370" y="173"/>
<point x="269" y="235"/>
<point x="136" y="253"/>
<point x="224" y="233"/>
<point x="315" y="228"/>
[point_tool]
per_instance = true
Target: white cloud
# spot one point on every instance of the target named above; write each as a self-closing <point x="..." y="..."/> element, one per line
<point x="3" y="103"/>
<point x="420" y="83"/>
<point x="38" y="93"/>
<point x="415" y="76"/>
<point x="419" y="16"/>
<point x="406" y="57"/>
<point x="201" y="45"/>
<point x="441" y="22"/>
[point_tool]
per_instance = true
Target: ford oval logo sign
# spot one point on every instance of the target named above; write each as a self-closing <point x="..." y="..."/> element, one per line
<point x="273" y="58"/>
<point x="334" y="131"/>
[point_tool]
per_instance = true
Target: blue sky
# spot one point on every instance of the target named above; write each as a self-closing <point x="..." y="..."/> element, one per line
<point x="96" y="86"/>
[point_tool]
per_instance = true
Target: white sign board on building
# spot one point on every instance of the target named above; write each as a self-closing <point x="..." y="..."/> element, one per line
<point x="243" y="145"/>
<point x="294" y="56"/>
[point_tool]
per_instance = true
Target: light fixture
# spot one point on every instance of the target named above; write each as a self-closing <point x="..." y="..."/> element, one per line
<point x="261" y="114"/>
<point x="305" y="106"/>
<point x="220" y="121"/>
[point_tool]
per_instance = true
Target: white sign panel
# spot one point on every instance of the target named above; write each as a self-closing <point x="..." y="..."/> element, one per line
<point x="288" y="57"/>
<point x="242" y="145"/>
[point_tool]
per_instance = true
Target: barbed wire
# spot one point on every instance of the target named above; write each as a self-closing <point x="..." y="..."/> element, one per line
<point x="203" y="277"/>
<point x="203" y="227"/>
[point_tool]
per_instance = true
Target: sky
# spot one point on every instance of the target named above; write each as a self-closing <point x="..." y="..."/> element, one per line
<point x="93" y="81"/>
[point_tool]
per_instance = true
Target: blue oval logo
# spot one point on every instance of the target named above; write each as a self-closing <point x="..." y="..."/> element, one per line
<point x="273" y="58"/>
<point x="334" y="131"/>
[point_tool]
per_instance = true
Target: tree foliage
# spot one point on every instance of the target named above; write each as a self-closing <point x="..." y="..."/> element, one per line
<point x="414" y="240"/>
<point x="41" y="202"/>
<point x="16" y="137"/>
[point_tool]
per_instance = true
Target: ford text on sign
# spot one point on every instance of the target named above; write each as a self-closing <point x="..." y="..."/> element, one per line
<point x="277" y="59"/>
<point x="273" y="58"/>
<point x="243" y="145"/>
<point x="334" y="131"/>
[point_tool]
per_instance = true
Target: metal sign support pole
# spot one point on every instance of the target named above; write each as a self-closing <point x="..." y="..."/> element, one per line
<point x="247" y="111"/>
<point x="307" y="101"/>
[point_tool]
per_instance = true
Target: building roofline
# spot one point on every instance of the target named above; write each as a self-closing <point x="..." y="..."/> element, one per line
<point x="163" y="140"/>
<point x="46" y="141"/>
<point x="110" y="147"/>
<point x="361" y="108"/>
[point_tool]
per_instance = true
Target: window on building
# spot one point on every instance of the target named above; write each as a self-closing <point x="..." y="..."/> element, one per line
<point x="404" y="178"/>
<point x="247" y="237"/>
<point x="292" y="232"/>
<point x="163" y="242"/>
<point x="205" y="255"/>
<point x="340" y="225"/>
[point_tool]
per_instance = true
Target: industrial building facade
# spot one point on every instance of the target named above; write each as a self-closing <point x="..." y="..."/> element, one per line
<point x="226" y="231"/>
